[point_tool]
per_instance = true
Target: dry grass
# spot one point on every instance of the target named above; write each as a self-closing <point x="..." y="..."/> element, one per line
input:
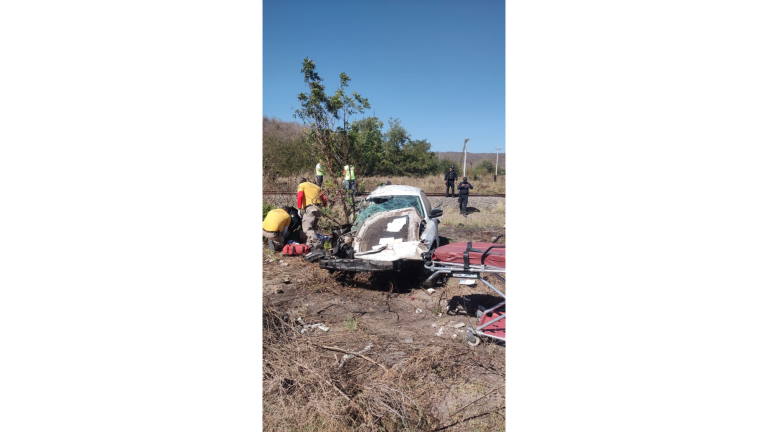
<point x="482" y="183"/>
<point x="484" y="219"/>
<point x="305" y="389"/>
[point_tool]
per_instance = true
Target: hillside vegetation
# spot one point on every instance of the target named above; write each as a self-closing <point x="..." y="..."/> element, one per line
<point x="474" y="159"/>
<point x="376" y="153"/>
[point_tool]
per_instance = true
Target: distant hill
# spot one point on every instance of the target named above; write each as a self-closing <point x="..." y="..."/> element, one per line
<point x="473" y="158"/>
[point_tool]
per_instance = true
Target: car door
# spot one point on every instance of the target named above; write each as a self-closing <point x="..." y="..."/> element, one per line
<point x="429" y="236"/>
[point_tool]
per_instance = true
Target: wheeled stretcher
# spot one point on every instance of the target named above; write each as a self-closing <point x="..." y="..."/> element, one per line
<point x="467" y="261"/>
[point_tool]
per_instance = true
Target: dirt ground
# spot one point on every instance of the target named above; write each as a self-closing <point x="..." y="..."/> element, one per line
<point x="414" y="371"/>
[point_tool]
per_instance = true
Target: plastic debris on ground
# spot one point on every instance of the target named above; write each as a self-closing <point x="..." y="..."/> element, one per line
<point x="430" y="290"/>
<point x="418" y="311"/>
<point x="351" y="356"/>
<point x="319" y="326"/>
<point x="440" y="332"/>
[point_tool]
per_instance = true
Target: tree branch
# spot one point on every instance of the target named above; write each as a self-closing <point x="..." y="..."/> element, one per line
<point x="355" y="354"/>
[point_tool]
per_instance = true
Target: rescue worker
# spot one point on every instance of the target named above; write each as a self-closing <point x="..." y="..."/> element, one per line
<point x="275" y="228"/>
<point x="308" y="198"/>
<point x="450" y="177"/>
<point x="319" y="173"/>
<point x="349" y="178"/>
<point x="464" y="188"/>
<point x="293" y="212"/>
<point x="294" y="230"/>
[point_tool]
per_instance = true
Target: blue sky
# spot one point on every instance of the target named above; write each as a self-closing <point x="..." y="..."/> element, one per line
<point x="438" y="66"/>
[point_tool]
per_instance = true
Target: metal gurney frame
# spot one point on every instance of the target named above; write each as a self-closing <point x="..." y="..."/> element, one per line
<point x="471" y="269"/>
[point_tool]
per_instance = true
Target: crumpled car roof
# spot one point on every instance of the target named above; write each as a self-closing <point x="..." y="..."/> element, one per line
<point x="394" y="233"/>
<point x="395" y="190"/>
<point x="394" y="226"/>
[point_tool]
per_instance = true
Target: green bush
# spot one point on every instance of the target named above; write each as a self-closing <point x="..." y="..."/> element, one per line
<point x="444" y="165"/>
<point x="265" y="208"/>
<point x="485" y="166"/>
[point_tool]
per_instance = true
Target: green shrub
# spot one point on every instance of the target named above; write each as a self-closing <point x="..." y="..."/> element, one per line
<point x="265" y="208"/>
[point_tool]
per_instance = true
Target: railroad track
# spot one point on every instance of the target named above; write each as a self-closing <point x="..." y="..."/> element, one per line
<point x="429" y="194"/>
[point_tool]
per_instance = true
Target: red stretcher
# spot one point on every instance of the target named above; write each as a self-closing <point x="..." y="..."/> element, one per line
<point x="467" y="261"/>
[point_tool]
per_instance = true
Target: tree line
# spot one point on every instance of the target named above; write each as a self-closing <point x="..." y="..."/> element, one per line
<point x="372" y="150"/>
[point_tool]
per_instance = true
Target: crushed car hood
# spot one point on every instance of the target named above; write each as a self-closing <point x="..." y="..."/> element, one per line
<point x="389" y="236"/>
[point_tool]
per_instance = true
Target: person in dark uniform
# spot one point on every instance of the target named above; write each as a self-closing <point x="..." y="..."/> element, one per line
<point x="464" y="188"/>
<point x="294" y="229"/>
<point x="450" y="177"/>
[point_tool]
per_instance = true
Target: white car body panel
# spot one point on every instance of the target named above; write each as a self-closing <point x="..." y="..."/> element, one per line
<point x="409" y="250"/>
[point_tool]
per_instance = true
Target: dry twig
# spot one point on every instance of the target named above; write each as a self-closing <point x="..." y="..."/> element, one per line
<point x="354" y="354"/>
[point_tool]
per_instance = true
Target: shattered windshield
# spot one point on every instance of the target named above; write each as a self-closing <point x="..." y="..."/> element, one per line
<point x="385" y="203"/>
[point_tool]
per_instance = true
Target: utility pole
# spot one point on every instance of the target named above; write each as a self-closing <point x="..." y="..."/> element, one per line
<point x="464" y="169"/>
<point x="497" y="163"/>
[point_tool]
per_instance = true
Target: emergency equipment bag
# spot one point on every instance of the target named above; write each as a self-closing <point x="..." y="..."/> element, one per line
<point x="295" y="249"/>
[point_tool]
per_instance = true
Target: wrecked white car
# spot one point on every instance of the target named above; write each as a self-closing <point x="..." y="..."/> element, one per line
<point x="395" y="227"/>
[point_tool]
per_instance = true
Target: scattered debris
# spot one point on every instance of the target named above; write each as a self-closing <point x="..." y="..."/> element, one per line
<point x="440" y="332"/>
<point x="307" y="328"/>
<point x="419" y="311"/>
<point x="286" y="281"/>
<point x="351" y="356"/>
<point x="411" y="297"/>
<point x="467" y="282"/>
<point x="454" y="335"/>
<point x="440" y="315"/>
<point x="430" y="290"/>
<point x="434" y="325"/>
<point x="320" y="326"/>
<point x="459" y="325"/>
<point x="278" y="291"/>
<point x="284" y="264"/>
